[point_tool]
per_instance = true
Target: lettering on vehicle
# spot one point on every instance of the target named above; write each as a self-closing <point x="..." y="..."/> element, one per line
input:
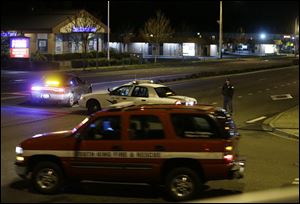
<point x="127" y="154"/>
<point x="118" y="154"/>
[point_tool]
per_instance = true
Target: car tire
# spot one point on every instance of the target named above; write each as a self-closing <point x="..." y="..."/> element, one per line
<point x="182" y="184"/>
<point x="93" y="106"/>
<point x="47" y="178"/>
<point x="71" y="100"/>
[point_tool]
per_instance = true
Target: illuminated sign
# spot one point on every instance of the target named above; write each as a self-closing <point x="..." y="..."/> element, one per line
<point x="19" y="47"/>
<point x="188" y="49"/>
<point x="84" y="29"/>
<point x="8" y="34"/>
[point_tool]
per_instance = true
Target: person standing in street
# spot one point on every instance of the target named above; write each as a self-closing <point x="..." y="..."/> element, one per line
<point x="227" y="92"/>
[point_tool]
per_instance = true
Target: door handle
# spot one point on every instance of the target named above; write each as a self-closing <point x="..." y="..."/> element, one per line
<point x="159" y="148"/>
<point x="116" y="148"/>
<point x="124" y="98"/>
<point x="143" y="100"/>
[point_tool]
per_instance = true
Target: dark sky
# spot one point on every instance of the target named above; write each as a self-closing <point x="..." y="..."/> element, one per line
<point x="185" y="15"/>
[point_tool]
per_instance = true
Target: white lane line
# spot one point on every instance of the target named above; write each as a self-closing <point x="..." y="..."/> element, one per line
<point x="240" y="96"/>
<point x="281" y="97"/>
<point x="256" y="119"/>
<point x="267" y="89"/>
<point x="275" y="87"/>
<point x="250" y="94"/>
<point x="296" y="181"/>
<point x="11" y="97"/>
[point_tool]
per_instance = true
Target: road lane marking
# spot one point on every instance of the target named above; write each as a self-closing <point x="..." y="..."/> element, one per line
<point x="250" y="94"/>
<point x="281" y="97"/>
<point x="259" y="91"/>
<point x="296" y="181"/>
<point x="267" y="89"/>
<point x="256" y="119"/>
<point x="11" y="97"/>
<point x="240" y="96"/>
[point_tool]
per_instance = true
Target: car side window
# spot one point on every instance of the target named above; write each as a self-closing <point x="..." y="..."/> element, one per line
<point x="121" y="91"/>
<point x="192" y="126"/>
<point x="104" y="128"/>
<point x="140" y="91"/>
<point x="145" y="127"/>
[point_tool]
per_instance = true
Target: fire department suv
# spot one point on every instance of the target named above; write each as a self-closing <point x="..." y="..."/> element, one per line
<point x="176" y="146"/>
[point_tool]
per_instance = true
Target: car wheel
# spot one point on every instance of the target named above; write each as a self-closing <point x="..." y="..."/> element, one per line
<point x="47" y="178"/>
<point x="93" y="106"/>
<point x="182" y="184"/>
<point x="71" y="100"/>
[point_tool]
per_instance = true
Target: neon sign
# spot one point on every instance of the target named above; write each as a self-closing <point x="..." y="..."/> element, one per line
<point x="19" y="47"/>
<point x="84" y="29"/>
<point x="8" y="34"/>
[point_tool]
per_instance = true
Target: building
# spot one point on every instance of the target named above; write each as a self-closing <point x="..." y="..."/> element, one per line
<point x="57" y="32"/>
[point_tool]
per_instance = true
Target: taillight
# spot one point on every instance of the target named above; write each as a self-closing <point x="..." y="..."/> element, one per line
<point x="228" y="158"/>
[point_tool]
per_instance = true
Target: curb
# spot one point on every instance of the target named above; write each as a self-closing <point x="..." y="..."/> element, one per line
<point x="268" y="125"/>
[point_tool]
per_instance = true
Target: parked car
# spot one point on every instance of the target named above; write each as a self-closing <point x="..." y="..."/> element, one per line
<point x="139" y="92"/>
<point x="178" y="147"/>
<point x="62" y="88"/>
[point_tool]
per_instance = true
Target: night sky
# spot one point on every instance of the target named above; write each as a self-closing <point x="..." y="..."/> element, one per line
<point x="185" y="16"/>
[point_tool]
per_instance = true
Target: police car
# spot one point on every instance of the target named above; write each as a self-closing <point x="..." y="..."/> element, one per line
<point x="62" y="88"/>
<point x="138" y="92"/>
<point x="176" y="146"/>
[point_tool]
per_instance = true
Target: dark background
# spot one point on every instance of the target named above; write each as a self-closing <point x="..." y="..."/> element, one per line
<point x="185" y="16"/>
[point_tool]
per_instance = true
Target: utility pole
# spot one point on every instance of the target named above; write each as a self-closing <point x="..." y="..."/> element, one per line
<point x="220" y="32"/>
<point x="296" y="40"/>
<point x="108" y="31"/>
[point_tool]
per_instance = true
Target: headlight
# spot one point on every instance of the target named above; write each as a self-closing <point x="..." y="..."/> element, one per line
<point x="81" y="97"/>
<point x="19" y="150"/>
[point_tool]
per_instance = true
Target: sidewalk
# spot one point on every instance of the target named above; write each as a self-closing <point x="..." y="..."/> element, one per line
<point x="285" y="123"/>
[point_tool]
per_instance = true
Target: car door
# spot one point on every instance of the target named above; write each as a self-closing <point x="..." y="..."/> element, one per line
<point x="97" y="152"/>
<point x="120" y="94"/>
<point x="146" y="145"/>
<point x="140" y="95"/>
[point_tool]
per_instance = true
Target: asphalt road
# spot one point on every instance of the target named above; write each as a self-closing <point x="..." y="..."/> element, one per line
<point x="272" y="161"/>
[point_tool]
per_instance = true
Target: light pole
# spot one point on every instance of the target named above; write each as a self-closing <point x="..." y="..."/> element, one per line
<point x="296" y="35"/>
<point x="108" y="31"/>
<point x="220" y="31"/>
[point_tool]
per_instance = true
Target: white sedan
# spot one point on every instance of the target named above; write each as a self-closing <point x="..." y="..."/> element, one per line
<point x="137" y="92"/>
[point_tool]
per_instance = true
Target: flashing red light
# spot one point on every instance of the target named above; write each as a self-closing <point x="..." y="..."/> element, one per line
<point x="43" y="88"/>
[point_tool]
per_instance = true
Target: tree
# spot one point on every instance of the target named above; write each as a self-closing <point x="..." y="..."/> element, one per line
<point x="127" y="35"/>
<point x="157" y="30"/>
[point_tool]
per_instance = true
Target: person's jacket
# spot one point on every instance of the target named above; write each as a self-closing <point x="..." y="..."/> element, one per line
<point x="227" y="90"/>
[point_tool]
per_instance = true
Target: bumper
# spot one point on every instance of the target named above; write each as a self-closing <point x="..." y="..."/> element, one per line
<point x="21" y="171"/>
<point x="62" y="98"/>
<point x="82" y="103"/>
<point x="237" y="170"/>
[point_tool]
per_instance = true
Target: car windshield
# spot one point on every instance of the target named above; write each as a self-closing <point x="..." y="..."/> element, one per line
<point x="164" y="92"/>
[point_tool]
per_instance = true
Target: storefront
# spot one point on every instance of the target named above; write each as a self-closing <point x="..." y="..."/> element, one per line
<point x="70" y="32"/>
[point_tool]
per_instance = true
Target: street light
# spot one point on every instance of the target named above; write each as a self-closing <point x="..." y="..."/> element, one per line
<point x="108" y="56"/>
<point x="220" y="34"/>
<point x="262" y="36"/>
